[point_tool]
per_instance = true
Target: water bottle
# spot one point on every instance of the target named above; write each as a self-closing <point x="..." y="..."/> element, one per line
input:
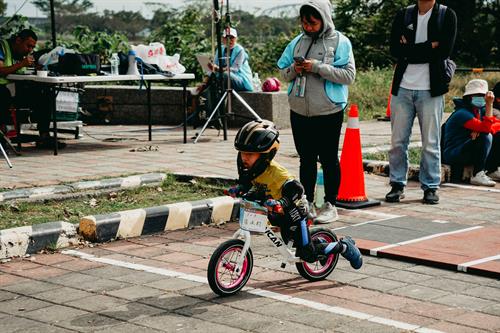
<point x="320" y="189"/>
<point x="132" y="63"/>
<point x="328" y="59"/>
<point x="115" y="64"/>
<point x="257" y="84"/>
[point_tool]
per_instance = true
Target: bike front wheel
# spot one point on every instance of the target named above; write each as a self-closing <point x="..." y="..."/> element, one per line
<point x="222" y="274"/>
<point x="322" y="267"/>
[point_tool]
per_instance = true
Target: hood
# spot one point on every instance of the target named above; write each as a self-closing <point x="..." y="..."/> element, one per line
<point x="324" y="7"/>
<point x="460" y="103"/>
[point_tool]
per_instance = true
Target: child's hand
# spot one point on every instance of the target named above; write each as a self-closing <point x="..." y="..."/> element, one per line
<point x="234" y="192"/>
<point x="273" y="206"/>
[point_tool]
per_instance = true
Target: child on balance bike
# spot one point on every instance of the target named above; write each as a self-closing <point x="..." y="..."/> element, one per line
<point x="263" y="180"/>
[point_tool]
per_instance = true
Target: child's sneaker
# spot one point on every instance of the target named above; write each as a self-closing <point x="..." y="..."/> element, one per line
<point x="352" y="252"/>
<point x="328" y="213"/>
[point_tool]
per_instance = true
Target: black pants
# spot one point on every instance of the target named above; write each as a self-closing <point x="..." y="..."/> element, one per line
<point x="28" y="95"/>
<point x="318" y="137"/>
<point x="483" y="153"/>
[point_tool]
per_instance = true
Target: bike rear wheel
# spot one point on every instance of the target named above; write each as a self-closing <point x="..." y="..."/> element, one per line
<point x="321" y="268"/>
<point x="222" y="276"/>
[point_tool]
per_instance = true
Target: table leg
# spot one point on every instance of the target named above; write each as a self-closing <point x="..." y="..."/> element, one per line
<point x="53" y="91"/>
<point x="148" y="90"/>
<point x="184" y="107"/>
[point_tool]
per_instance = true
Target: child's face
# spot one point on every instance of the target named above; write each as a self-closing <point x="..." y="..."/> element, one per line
<point x="249" y="159"/>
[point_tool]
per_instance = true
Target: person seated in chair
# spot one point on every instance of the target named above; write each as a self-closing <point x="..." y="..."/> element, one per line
<point x="15" y="57"/>
<point x="472" y="134"/>
<point x="239" y="68"/>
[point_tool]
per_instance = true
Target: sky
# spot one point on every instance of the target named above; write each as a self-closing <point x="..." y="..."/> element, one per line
<point x="253" y="6"/>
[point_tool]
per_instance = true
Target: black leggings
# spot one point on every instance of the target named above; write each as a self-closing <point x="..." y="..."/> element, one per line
<point x="318" y="137"/>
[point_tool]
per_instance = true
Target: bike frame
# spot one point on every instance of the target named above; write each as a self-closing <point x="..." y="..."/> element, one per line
<point x="285" y="250"/>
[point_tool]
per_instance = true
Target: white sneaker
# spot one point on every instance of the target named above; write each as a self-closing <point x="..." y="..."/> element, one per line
<point x="312" y="210"/>
<point x="327" y="214"/>
<point x="495" y="175"/>
<point x="482" y="180"/>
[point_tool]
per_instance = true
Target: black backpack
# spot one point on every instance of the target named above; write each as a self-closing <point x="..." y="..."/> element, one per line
<point x="449" y="65"/>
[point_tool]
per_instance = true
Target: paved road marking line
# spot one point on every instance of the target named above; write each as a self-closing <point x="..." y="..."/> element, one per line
<point x="372" y="213"/>
<point x="368" y="222"/>
<point x="470" y="187"/>
<point x="463" y="267"/>
<point x="374" y="251"/>
<point x="259" y="292"/>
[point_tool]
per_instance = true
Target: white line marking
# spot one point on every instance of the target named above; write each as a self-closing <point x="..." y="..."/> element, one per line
<point x="257" y="291"/>
<point x="367" y="222"/>
<point x="372" y="213"/>
<point x="470" y="187"/>
<point x="374" y="251"/>
<point x="463" y="267"/>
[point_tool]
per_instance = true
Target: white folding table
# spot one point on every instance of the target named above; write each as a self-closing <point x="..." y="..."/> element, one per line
<point x="56" y="81"/>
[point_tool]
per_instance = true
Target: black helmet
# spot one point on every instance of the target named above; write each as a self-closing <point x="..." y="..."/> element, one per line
<point x="257" y="137"/>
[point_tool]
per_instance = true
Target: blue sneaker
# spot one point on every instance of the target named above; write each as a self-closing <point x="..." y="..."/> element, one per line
<point x="352" y="253"/>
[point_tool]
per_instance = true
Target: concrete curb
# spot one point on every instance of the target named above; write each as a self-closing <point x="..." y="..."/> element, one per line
<point x="111" y="183"/>
<point x="18" y="242"/>
<point x="138" y="222"/>
<point x="382" y="168"/>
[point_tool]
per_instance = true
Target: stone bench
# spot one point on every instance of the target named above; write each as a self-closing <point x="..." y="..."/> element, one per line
<point x="129" y="105"/>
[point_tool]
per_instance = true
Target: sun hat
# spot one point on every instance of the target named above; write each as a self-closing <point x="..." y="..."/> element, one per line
<point x="232" y="32"/>
<point x="476" y="86"/>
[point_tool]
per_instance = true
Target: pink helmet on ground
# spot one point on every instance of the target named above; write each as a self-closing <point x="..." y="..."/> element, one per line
<point x="271" y="84"/>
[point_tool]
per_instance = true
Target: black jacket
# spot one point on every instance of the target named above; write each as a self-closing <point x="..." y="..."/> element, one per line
<point x="420" y="53"/>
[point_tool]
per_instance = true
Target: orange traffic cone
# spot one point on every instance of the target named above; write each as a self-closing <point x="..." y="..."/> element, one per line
<point x="388" y="109"/>
<point x="352" y="182"/>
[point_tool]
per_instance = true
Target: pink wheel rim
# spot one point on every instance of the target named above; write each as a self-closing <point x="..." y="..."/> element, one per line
<point x="225" y="268"/>
<point x="316" y="268"/>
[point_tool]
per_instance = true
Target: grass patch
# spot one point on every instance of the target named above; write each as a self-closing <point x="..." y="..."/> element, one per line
<point x="414" y="155"/>
<point x="18" y="214"/>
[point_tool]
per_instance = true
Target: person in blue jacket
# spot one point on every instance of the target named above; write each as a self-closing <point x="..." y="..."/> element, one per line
<point x="319" y="65"/>
<point x="241" y="74"/>
<point x="472" y="134"/>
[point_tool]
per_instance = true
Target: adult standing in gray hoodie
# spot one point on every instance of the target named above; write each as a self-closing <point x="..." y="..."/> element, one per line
<point x="319" y="64"/>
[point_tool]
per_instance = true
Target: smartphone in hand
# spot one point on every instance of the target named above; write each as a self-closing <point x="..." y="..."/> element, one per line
<point x="299" y="59"/>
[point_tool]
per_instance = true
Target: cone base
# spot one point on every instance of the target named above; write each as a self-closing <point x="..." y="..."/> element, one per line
<point x="357" y="204"/>
<point x="384" y="118"/>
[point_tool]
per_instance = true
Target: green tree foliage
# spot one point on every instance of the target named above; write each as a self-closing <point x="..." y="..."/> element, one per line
<point x="85" y="40"/>
<point x="368" y="25"/>
<point x="64" y="7"/>
<point x="13" y="25"/>
<point x="3" y="7"/>
<point x="184" y="32"/>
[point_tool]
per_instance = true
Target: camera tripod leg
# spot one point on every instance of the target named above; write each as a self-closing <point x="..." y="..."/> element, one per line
<point x="245" y="104"/>
<point x="5" y="156"/>
<point x="211" y="116"/>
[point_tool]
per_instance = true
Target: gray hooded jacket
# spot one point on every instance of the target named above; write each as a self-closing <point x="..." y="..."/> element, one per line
<point x="326" y="86"/>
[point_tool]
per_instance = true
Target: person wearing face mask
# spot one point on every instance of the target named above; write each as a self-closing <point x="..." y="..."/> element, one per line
<point x="319" y="64"/>
<point x="472" y="134"/>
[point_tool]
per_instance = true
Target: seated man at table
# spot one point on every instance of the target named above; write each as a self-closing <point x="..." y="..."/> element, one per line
<point x="15" y="56"/>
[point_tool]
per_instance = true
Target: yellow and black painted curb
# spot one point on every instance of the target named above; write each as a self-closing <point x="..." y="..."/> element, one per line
<point x="138" y="222"/>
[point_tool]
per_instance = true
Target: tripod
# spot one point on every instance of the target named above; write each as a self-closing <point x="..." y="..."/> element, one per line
<point x="229" y="91"/>
<point x="2" y="137"/>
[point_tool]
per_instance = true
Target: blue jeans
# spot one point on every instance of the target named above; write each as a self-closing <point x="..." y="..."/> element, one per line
<point x="429" y="111"/>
